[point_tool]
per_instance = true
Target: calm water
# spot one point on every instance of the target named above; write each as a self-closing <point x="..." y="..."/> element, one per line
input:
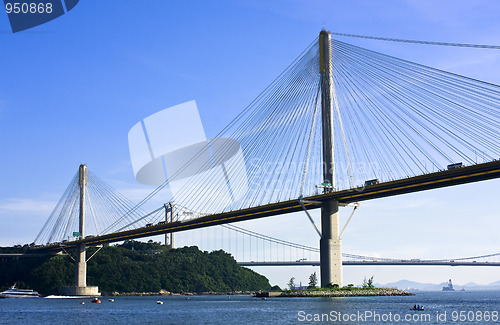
<point x="476" y="308"/>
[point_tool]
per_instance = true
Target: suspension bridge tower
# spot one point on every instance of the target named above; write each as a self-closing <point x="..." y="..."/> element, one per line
<point x="81" y="288"/>
<point x="330" y="242"/>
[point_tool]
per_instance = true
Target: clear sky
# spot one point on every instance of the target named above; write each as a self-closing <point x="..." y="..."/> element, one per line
<point x="71" y="89"/>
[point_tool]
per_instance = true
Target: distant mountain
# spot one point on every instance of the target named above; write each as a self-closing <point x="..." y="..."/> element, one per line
<point x="409" y="285"/>
<point x="418" y="286"/>
<point x="476" y="287"/>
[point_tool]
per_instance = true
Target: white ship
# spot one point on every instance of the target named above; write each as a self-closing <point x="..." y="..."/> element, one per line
<point x="449" y="287"/>
<point x="14" y="292"/>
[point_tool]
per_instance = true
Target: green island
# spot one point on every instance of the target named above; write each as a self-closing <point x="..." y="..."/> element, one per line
<point x="333" y="290"/>
<point x="134" y="267"/>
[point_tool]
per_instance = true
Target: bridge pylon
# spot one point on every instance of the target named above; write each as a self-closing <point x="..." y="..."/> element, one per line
<point x="330" y="242"/>
<point x="81" y="288"/>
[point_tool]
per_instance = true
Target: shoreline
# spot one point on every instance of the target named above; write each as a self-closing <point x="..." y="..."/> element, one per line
<point x="275" y="294"/>
<point x="168" y="293"/>
<point x="335" y="293"/>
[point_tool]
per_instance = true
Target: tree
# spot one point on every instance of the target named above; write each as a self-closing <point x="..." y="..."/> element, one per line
<point x="291" y="283"/>
<point x="368" y="283"/>
<point x="313" y="281"/>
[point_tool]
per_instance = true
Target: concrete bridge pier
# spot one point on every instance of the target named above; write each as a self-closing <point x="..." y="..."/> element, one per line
<point x="330" y="245"/>
<point x="81" y="266"/>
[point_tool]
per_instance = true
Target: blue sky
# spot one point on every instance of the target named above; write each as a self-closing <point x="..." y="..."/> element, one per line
<point x="71" y="89"/>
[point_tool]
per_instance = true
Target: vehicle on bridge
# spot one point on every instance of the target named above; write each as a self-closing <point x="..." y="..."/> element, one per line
<point x="457" y="165"/>
<point x="372" y="182"/>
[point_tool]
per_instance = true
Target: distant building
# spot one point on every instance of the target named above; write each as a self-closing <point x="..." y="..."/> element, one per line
<point x="300" y="287"/>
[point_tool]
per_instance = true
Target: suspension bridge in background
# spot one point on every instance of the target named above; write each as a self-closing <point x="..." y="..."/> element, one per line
<point x="341" y="125"/>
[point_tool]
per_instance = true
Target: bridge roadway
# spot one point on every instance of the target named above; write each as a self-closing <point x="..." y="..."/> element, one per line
<point x="18" y="255"/>
<point x="445" y="178"/>
<point x="317" y="263"/>
<point x="366" y="263"/>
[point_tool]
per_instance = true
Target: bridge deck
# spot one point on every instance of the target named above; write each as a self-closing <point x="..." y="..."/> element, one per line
<point x="424" y="182"/>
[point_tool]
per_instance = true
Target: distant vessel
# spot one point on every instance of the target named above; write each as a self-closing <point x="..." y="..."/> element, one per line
<point x="449" y="287"/>
<point x="14" y="292"/>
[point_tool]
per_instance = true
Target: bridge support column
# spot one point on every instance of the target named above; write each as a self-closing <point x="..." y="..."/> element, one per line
<point x="81" y="266"/>
<point x="330" y="244"/>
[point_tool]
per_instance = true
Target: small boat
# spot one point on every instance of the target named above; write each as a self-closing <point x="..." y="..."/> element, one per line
<point x="14" y="292"/>
<point x="111" y="300"/>
<point x="417" y="308"/>
<point x="96" y="301"/>
<point x="159" y="302"/>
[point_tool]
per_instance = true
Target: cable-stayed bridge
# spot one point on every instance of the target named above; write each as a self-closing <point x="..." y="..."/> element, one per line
<point x="340" y="125"/>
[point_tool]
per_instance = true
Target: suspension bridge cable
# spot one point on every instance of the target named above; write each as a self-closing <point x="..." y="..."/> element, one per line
<point x="482" y="46"/>
<point x="269" y="238"/>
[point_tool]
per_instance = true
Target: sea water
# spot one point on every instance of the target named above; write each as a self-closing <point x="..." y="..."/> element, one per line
<point x="440" y="308"/>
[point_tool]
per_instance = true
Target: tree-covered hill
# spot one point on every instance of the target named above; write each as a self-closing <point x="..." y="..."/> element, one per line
<point x="136" y="267"/>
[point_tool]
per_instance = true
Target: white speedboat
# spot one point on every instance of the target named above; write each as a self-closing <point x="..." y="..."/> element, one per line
<point x="14" y="292"/>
